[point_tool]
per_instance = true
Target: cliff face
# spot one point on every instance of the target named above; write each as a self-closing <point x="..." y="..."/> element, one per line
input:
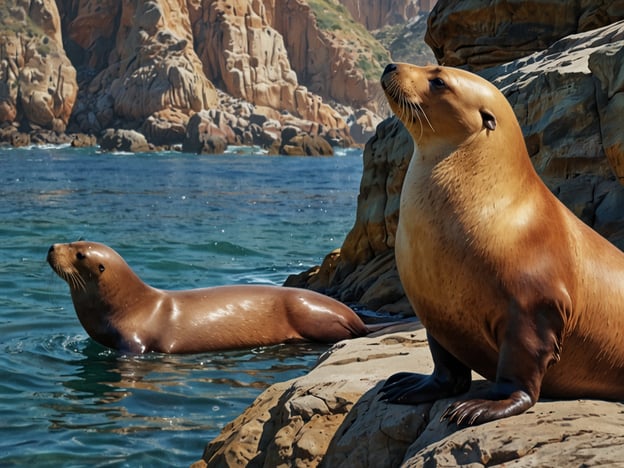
<point x="245" y="56"/>
<point x="377" y="14"/>
<point x="151" y="64"/>
<point x="153" y="68"/>
<point x="37" y="80"/>
<point x="484" y="34"/>
<point x="333" y="55"/>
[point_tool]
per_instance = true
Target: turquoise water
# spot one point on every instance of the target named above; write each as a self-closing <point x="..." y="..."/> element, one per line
<point x="180" y="221"/>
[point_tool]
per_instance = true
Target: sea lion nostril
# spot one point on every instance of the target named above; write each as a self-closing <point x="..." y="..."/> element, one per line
<point x="51" y="249"/>
<point x="389" y="68"/>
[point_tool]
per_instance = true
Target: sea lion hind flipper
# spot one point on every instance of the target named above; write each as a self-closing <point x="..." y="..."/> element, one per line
<point x="450" y="377"/>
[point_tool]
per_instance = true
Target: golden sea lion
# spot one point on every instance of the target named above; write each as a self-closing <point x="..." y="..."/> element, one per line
<point x="506" y="280"/>
<point x="118" y="310"/>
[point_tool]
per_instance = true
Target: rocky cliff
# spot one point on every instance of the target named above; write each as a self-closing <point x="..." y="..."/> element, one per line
<point x="567" y="98"/>
<point x="149" y="65"/>
<point x="37" y="81"/>
<point x="487" y="33"/>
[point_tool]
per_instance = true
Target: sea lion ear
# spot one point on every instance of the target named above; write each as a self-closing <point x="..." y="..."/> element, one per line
<point x="489" y="121"/>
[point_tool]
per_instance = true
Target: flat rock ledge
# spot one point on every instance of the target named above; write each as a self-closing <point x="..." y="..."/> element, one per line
<point x="332" y="417"/>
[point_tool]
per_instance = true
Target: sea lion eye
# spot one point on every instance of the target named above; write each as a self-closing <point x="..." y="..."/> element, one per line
<point x="437" y="83"/>
<point x="80" y="256"/>
<point x="101" y="268"/>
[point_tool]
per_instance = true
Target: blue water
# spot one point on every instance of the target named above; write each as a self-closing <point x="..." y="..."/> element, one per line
<point x="180" y="221"/>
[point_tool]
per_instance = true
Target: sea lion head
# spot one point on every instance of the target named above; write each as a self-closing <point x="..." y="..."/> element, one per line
<point x="443" y="106"/>
<point x="81" y="264"/>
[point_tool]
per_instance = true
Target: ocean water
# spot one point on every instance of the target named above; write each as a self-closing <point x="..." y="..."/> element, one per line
<point x="180" y="221"/>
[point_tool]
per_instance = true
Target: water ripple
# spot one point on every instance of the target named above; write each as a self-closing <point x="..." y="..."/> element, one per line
<point x="180" y="222"/>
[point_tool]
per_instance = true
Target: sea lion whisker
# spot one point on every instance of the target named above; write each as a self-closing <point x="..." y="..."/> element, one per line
<point x="79" y="281"/>
<point x="73" y="279"/>
<point x="422" y="111"/>
<point x="415" y="110"/>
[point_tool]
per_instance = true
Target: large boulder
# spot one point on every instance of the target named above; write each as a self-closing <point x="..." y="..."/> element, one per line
<point x="203" y="136"/>
<point x="123" y="140"/>
<point x="333" y="417"/>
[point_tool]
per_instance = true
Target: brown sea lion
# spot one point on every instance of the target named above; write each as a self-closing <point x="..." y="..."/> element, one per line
<point x="118" y="310"/>
<point x="506" y="280"/>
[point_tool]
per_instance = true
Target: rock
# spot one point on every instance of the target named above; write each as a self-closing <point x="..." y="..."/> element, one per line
<point x="406" y="41"/>
<point x="484" y="34"/>
<point x="333" y="55"/>
<point x="376" y="14"/>
<point x="213" y="145"/>
<point x="568" y="100"/>
<point x="245" y="55"/>
<point x="124" y="140"/>
<point x="37" y="81"/>
<point x="81" y="140"/>
<point x="332" y="417"/>
<point x="91" y="27"/>
<point x="203" y="136"/>
<point x="137" y="67"/>
<point x="363" y="127"/>
<point x="304" y="145"/>
<point x="42" y="136"/>
<point x="165" y="127"/>
<point x="153" y="68"/>
<point x="19" y="139"/>
<point x="364" y="271"/>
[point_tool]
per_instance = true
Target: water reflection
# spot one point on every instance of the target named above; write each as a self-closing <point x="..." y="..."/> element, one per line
<point x="123" y="393"/>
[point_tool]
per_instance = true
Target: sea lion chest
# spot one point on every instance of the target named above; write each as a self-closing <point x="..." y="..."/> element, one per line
<point x="444" y="274"/>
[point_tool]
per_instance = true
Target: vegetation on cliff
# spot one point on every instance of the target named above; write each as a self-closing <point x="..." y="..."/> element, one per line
<point x="405" y="41"/>
<point x="371" y="55"/>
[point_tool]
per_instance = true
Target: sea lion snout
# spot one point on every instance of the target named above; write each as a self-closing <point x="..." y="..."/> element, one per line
<point x="50" y="257"/>
<point x="389" y="68"/>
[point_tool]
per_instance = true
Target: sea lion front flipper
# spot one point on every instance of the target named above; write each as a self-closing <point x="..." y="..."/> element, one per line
<point x="531" y="344"/>
<point x="450" y="377"/>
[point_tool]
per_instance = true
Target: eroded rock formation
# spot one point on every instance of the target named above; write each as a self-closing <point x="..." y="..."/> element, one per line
<point x="333" y="55"/>
<point x="245" y="55"/>
<point x="153" y="68"/>
<point x="37" y="81"/>
<point x="375" y="14"/>
<point x="484" y="34"/>
<point x="149" y="65"/>
<point x="332" y="417"/>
